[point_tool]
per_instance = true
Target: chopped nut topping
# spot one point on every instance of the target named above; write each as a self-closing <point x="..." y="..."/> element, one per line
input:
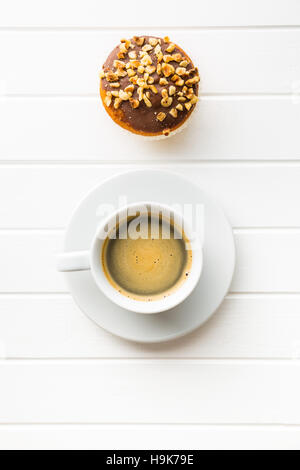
<point x="177" y="57"/>
<point x="182" y="99"/>
<point x="134" y="79"/>
<point x="167" y="58"/>
<point x="147" y="101"/>
<point x="153" y="41"/>
<point x="166" y="102"/>
<point x="171" y="47"/>
<point x="153" y="89"/>
<point x="135" y="63"/>
<point x="163" y="81"/>
<point x="147" y="48"/>
<point x="167" y="69"/>
<point x="126" y="43"/>
<point x="101" y="74"/>
<point x="158" y="69"/>
<point x="123" y="95"/>
<point x="179" y="82"/>
<point x="161" y="116"/>
<point x="140" y="93"/>
<point x="111" y="76"/>
<point x="132" y="55"/>
<point x="174" y="112"/>
<point x="175" y="77"/>
<point x="167" y="39"/>
<point x="117" y="102"/>
<point x="119" y="64"/>
<point x="181" y="71"/>
<point x="115" y="84"/>
<point x="172" y="90"/>
<point x="129" y="89"/>
<point x="150" y="69"/>
<point x="157" y="50"/>
<point x="183" y="63"/>
<point x="123" y="48"/>
<point x="115" y="93"/>
<point x="192" y="81"/>
<point x="188" y="105"/>
<point x="139" y="41"/>
<point x="134" y="103"/>
<point x="146" y="60"/>
<point x="179" y="107"/>
<point x="131" y="73"/>
<point x="150" y="80"/>
<point x="194" y="99"/>
<point x="164" y="93"/>
<point x="141" y="69"/>
<point x="107" y="99"/>
<point x="166" y="132"/>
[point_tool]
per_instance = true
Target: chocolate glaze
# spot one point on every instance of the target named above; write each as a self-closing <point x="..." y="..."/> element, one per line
<point x="143" y="119"/>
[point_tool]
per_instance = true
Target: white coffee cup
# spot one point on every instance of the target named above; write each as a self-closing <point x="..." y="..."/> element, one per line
<point x="91" y="260"/>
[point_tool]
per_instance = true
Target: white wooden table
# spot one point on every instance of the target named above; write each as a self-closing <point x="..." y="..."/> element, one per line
<point x="235" y="383"/>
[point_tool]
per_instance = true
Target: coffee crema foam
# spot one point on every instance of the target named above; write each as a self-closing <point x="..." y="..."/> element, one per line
<point x="147" y="268"/>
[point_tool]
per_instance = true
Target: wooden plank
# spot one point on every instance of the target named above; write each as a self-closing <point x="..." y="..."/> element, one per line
<point x="90" y="13"/>
<point x="38" y="197"/>
<point x="246" y="326"/>
<point x="148" y="437"/>
<point x="222" y="128"/>
<point x="68" y="63"/>
<point x="163" y="391"/>
<point x="267" y="261"/>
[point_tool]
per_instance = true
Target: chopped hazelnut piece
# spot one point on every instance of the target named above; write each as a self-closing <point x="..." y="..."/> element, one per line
<point x="161" y="116"/>
<point x="167" y="69"/>
<point x="117" y="102"/>
<point x="164" y="93"/>
<point x="139" y="41"/>
<point x="111" y="76"/>
<point x="188" y="105"/>
<point x="146" y="60"/>
<point x="163" y="81"/>
<point x="183" y="63"/>
<point x="157" y="50"/>
<point x="115" y="93"/>
<point x="115" y="84"/>
<point x="166" y="102"/>
<point x="150" y="69"/>
<point x="130" y="73"/>
<point x="171" y="47"/>
<point x="147" y="48"/>
<point x="194" y="99"/>
<point x="147" y="101"/>
<point x="141" y="69"/>
<point x="177" y="57"/>
<point x="180" y="71"/>
<point x="158" y="69"/>
<point x="134" y="103"/>
<point x="192" y="81"/>
<point x="153" y="41"/>
<point x="179" y="82"/>
<point x="107" y="99"/>
<point x="182" y="99"/>
<point x="174" y="112"/>
<point x="150" y="80"/>
<point x="179" y="107"/>
<point x="129" y="89"/>
<point x="140" y="93"/>
<point x="119" y="64"/>
<point x="134" y="79"/>
<point x="135" y="63"/>
<point x="167" y="39"/>
<point x="167" y="58"/>
<point x="153" y="89"/>
<point x="166" y="132"/>
<point x="172" y="90"/>
<point x="123" y="48"/>
<point x="123" y="95"/>
<point x="132" y="55"/>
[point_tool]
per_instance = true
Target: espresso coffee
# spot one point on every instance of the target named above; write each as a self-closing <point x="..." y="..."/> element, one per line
<point x="149" y="262"/>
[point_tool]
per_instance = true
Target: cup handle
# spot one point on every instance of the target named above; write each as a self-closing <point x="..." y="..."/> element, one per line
<point x="73" y="261"/>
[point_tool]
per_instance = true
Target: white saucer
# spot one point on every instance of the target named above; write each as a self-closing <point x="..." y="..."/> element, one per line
<point x="218" y="253"/>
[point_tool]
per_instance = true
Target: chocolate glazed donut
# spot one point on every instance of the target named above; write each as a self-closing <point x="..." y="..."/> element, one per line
<point x="149" y="85"/>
